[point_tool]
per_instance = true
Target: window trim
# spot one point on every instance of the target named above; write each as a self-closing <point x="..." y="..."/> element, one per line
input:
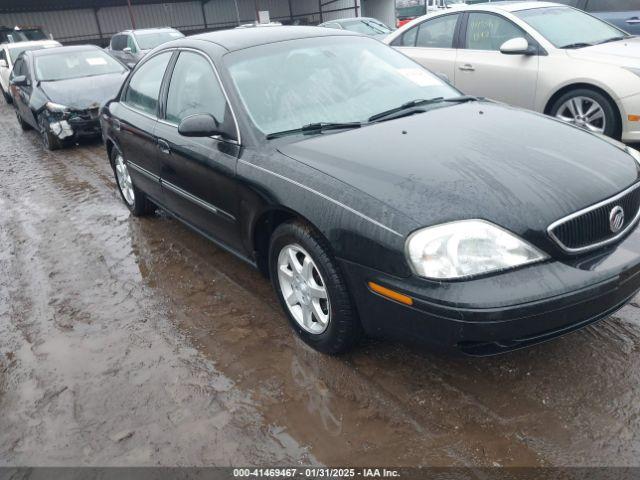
<point x="164" y="93"/>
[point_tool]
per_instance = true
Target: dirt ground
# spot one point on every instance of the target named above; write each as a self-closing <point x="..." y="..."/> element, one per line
<point x="128" y="341"/>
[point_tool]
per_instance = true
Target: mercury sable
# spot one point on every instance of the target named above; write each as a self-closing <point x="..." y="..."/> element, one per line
<point x="376" y="197"/>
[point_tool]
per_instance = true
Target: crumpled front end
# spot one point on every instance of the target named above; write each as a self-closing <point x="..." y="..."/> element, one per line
<point x="73" y="124"/>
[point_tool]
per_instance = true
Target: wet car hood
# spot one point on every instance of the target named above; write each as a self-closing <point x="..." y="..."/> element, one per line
<point x="482" y="160"/>
<point x="86" y="92"/>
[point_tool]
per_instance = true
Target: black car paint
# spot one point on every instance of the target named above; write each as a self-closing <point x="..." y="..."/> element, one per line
<point x="366" y="190"/>
<point x="82" y="95"/>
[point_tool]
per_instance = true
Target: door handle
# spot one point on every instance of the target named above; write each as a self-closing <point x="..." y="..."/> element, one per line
<point x="467" y="68"/>
<point x="633" y="21"/>
<point x="164" y="147"/>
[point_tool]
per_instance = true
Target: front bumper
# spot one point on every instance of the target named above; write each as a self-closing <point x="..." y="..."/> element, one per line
<point x="75" y="125"/>
<point x="503" y="312"/>
<point x="630" y="129"/>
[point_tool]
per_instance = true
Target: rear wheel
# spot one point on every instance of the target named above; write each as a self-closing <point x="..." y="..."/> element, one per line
<point x="49" y="140"/>
<point x="23" y="125"/>
<point x="135" y="200"/>
<point x="588" y="109"/>
<point x="311" y="289"/>
<point x="7" y="96"/>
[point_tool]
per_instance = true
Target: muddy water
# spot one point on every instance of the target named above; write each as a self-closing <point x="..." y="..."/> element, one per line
<point x="136" y="342"/>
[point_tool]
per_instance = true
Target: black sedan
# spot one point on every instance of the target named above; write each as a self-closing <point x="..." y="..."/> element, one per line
<point x="58" y="91"/>
<point x="376" y="197"/>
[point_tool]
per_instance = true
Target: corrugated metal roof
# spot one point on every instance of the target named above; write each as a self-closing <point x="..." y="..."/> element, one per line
<point x="7" y="6"/>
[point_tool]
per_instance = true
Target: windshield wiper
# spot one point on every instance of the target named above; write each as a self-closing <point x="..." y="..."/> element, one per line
<point x="612" y="39"/>
<point x="577" y="45"/>
<point x="414" y="104"/>
<point x="315" y="128"/>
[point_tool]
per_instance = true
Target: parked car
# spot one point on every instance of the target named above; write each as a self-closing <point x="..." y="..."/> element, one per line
<point x="407" y="10"/>
<point x="367" y="26"/>
<point x="58" y="91"/>
<point x="9" y="52"/>
<point x="624" y="14"/>
<point x="22" y="34"/>
<point x="374" y="195"/>
<point x="132" y="45"/>
<point x="522" y="53"/>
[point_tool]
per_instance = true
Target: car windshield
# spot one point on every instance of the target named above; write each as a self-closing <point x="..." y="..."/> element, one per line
<point x="75" y="64"/>
<point x="368" y="27"/>
<point x="287" y="85"/>
<point x="570" y="28"/>
<point x="150" y="40"/>
<point x="15" y="52"/>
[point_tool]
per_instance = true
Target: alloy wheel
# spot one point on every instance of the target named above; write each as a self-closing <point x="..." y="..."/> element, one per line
<point x="583" y="112"/>
<point x="124" y="180"/>
<point x="303" y="289"/>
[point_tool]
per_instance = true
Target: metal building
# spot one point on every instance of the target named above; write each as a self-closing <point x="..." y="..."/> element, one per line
<point x="95" y="21"/>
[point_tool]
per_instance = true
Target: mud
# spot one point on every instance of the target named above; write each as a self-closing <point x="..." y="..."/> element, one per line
<point x="128" y="341"/>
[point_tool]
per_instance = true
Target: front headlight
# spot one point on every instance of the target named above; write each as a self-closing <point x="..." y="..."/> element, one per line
<point x="56" y="107"/>
<point x="467" y="248"/>
<point x="634" y="153"/>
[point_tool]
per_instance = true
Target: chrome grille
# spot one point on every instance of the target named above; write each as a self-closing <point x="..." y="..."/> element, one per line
<point x="590" y="228"/>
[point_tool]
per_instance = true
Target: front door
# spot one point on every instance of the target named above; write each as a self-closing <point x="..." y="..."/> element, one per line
<point x="624" y="14"/>
<point x="482" y="70"/>
<point x="198" y="174"/>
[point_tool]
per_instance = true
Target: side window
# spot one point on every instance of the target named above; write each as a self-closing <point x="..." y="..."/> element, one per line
<point x="131" y="44"/>
<point x="118" y="42"/>
<point x="18" y="68"/>
<point x="438" y="33"/>
<point x="612" y="5"/>
<point x="3" y="55"/>
<point x="489" y="32"/>
<point x="194" y="88"/>
<point x="144" y="87"/>
<point x="407" y="39"/>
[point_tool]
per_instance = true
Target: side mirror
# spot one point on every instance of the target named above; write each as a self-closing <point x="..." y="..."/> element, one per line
<point x="517" y="46"/>
<point x="19" y="81"/>
<point x="127" y="50"/>
<point x="3" y="63"/>
<point x="199" y="125"/>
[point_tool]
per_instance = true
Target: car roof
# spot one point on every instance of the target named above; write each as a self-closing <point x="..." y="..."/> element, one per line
<point x="238" y="39"/>
<point x="33" y="43"/>
<point x="153" y="29"/>
<point x="56" y="50"/>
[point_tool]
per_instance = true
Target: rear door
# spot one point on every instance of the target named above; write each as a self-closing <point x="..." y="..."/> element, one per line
<point x="22" y="94"/>
<point x="481" y="69"/>
<point x="198" y="174"/>
<point x="624" y="14"/>
<point x="137" y="116"/>
<point x="433" y="43"/>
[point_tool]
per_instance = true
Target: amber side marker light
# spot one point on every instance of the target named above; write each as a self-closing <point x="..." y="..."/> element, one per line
<point x="634" y="118"/>
<point x="385" y="292"/>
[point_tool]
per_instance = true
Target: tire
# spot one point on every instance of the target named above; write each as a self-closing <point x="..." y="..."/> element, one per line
<point x="49" y="140"/>
<point x="135" y="200"/>
<point x="583" y="99"/>
<point x="342" y="328"/>
<point x="23" y="125"/>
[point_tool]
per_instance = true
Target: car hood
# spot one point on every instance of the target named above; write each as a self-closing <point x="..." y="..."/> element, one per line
<point x="515" y="168"/>
<point x="623" y="53"/>
<point x="86" y="92"/>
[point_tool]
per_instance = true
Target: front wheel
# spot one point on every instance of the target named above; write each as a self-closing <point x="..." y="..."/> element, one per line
<point x="311" y="289"/>
<point x="49" y="140"/>
<point x="590" y="110"/>
<point x="135" y="200"/>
